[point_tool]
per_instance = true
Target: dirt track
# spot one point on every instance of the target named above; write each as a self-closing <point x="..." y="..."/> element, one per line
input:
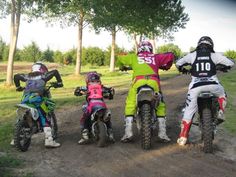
<point x="129" y="160"/>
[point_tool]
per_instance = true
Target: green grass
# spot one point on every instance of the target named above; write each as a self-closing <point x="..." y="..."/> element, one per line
<point x="7" y="164"/>
<point x="228" y="80"/>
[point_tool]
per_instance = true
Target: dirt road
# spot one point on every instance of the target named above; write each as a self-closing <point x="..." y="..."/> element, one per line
<point x="129" y="160"/>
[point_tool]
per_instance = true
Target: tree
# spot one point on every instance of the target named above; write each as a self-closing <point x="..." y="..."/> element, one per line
<point x="170" y="48"/>
<point x="58" y="56"/>
<point x="67" y="13"/>
<point x="47" y="55"/>
<point x="31" y="53"/>
<point x="2" y="48"/>
<point x="148" y="18"/>
<point x="14" y="8"/>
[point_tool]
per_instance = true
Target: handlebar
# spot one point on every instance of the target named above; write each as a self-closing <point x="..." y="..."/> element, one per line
<point x="125" y="68"/>
<point x="219" y="67"/>
<point x="47" y="87"/>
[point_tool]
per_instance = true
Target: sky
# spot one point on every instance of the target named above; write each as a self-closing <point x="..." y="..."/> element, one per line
<point x="214" y="18"/>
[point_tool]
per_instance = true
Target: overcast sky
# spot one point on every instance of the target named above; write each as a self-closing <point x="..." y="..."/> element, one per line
<point x="215" y="18"/>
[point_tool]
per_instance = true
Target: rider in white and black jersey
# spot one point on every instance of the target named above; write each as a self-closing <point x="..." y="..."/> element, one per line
<point x="203" y="62"/>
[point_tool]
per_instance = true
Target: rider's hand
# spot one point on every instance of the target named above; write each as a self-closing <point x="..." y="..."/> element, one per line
<point x="123" y="68"/>
<point x="19" y="89"/>
<point x="111" y="93"/>
<point x="77" y="92"/>
<point x="59" y="84"/>
<point x="185" y="71"/>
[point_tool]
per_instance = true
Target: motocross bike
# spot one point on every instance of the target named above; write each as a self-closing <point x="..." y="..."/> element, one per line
<point x="28" y="120"/>
<point x="147" y="100"/>
<point x="99" y="117"/>
<point x="208" y="108"/>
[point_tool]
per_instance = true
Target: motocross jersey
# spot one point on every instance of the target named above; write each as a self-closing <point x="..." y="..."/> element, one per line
<point x="203" y="66"/>
<point x="35" y="82"/>
<point x="146" y="63"/>
<point x="94" y="91"/>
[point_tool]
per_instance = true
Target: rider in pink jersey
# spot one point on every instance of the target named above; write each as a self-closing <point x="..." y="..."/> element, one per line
<point x="95" y="94"/>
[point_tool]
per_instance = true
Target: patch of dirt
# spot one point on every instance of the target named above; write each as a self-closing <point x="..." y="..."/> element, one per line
<point x="3" y="67"/>
<point x="129" y="160"/>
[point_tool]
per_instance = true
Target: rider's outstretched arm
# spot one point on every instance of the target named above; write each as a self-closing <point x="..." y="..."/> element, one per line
<point x="54" y="73"/>
<point x="18" y="78"/>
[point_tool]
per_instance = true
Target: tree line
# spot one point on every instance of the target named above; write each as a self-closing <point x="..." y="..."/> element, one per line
<point x="90" y="55"/>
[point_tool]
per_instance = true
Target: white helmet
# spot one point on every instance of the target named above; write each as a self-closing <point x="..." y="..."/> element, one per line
<point x="145" y="46"/>
<point x="39" y="67"/>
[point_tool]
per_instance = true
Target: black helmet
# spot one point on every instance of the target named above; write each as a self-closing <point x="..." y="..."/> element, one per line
<point x="206" y="41"/>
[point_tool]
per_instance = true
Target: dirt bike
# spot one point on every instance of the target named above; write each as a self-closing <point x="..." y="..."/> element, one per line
<point x="27" y="120"/>
<point x="207" y="121"/>
<point x="147" y="100"/>
<point x="99" y="117"/>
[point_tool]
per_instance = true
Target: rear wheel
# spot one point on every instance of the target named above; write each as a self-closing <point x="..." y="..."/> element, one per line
<point x="207" y="130"/>
<point x="145" y="112"/>
<point x="22" y="135"/>
<point x="102" y="134"/>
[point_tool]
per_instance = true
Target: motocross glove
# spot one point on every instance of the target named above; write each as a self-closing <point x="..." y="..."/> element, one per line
<point x="111" y="93"/>
<point x="59" y="84"/>
<point x="19" y="89"/>
<point x="77" y="92"/>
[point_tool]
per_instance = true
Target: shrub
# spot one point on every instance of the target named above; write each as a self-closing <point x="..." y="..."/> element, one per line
<point x="230" y="54"/>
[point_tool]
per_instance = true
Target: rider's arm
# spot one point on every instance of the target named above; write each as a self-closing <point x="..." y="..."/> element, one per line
<point x="79" y="91"/>
<point x="18" y="78"/>
<point x="126" y="60"/>
<point x="108" y="92"/>
<point x="54" y="73"/>
<point x="165" y="60"/>
<point x="218" y="58"/>
<point x="186" y="60"/>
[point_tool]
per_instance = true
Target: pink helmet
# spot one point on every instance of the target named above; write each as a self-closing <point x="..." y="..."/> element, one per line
<point x="93" y="77"/>
<point x="39" y="67"/>
<point x="145" y="46"/>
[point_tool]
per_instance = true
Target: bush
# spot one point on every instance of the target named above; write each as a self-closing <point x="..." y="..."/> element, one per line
<point x="94" y="55"/>
<point x="230" y="54"/>
<point x="170" y="48"/>
<point x="47" y="55"/>
<point x="58" y="57"/>
<point x="69" y="57"/>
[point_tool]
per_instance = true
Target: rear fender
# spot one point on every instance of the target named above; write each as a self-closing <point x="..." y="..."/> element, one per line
<point x="145" y="94"/>
<point x="23" y="108"/>
<point x="99" y="113"/>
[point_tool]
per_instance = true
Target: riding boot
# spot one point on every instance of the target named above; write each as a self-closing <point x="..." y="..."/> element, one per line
<point x="128" y="130"/>
<point x="49" y="141"/>
<point x="111" y="135"/>
<point x="162" y="129"/>
<point x="84" y="137"/>
<point x="222" y="104"/>
<point x="183" y="136"/>
<point x="12" y="143"/>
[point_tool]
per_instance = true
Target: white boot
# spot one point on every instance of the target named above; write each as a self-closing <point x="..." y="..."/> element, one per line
<point x="128" y="129"/>
<point x="162" y="130"/>
<point x="84" y="137"/>
<point x="49" y="142"/>
<point x="12" y="143"/>
<point x="111" y="135"/>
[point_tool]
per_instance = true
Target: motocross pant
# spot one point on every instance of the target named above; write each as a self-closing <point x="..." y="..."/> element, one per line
<point x="130" y="107"/>
<point x="191" y="106"/>
<point x="37" y="101"/>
